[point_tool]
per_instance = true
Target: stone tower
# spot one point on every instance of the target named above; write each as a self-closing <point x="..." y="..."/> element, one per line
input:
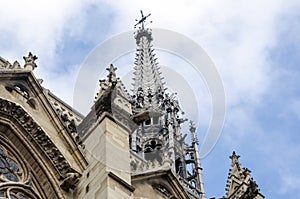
<point x="105" y="133"/>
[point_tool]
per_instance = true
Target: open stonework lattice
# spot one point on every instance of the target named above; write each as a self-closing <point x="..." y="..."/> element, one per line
<point x="15" y="178"/>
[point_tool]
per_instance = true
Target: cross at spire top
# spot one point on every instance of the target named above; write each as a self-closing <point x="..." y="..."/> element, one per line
<point x="142" y="20"/>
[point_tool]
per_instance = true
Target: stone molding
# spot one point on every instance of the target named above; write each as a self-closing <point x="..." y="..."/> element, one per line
<point x="19" y="115"/>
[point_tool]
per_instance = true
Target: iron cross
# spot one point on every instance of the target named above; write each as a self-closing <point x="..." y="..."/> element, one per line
<point x="142" y="20"/>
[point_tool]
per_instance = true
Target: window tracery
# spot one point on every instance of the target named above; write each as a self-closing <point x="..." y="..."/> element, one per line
<point x="14" y="192"/>
<point x="15" y="181"/>
<point x="9" y="169"/>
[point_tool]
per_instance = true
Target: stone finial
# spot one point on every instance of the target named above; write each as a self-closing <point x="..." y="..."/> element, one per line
<point x="30" y="61"/>
<point x="16" y="65"/>
<point x="40" y="81"/>
<point x="110" y="82"/>
<point x="234" y="158"/>
<point x="112" y="77"/>
<point x="192" y="126"/>
<point x="8" y="65"/>
<point x="193" y="132"/>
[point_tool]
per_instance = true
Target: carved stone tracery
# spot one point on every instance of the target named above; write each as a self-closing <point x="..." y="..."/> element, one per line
<point x="10" y="109"/>
<point x="15" y="179"/>
<point x="10" y="169"/>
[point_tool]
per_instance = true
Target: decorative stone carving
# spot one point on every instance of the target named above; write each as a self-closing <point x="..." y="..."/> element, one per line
<point x="30" y="61"/>
<point x="70" y="181"/>
<point x="138" y="166"/>
<point x="20" y="116"/>
<point x="16" y="65"/>
<point x="108" y="84"/>
<point x="18" y="191"/>
<point x="112" y="74"/>
<point x="240" y="185"/>
<point x="8" y="65"/>
<point x="69" y="120"/>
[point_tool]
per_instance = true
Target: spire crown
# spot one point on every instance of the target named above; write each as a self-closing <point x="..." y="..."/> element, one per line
<point x="147" y="80"/>
<point x="234" y="158"/>
<point x="142" y="20"/>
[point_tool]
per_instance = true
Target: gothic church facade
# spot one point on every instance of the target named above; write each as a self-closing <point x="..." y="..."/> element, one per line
<point x="129" y="146"/>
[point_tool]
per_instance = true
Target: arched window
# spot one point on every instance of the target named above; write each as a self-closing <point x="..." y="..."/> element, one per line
<point x="15" y="178"/>
<point x="9" y="169"/>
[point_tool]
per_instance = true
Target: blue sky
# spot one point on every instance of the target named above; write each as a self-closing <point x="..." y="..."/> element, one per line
<point x="254" y="45"/>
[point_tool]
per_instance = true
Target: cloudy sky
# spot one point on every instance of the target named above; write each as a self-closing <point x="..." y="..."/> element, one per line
<point x="255" y="46"/>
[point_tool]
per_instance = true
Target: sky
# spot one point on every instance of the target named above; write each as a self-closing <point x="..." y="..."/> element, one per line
<point x="255" y="46"/>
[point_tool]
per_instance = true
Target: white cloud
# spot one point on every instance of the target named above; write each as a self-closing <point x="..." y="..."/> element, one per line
<point x="235" y="34"/>
<point x="40" y="27"/>
<point x="34" y="25"/>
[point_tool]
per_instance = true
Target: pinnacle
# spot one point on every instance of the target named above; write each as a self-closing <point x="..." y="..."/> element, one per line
<point x="234" y="157"/>
<point x="146" y="75"/>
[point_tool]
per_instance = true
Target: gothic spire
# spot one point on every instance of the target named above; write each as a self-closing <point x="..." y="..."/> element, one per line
<point x="240" y="183"/>
<point x="147" y="80"/>
<point x="159" y="140"/>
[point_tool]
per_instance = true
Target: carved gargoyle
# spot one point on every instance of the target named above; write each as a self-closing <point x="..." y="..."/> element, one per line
<point x="70" y="181"/>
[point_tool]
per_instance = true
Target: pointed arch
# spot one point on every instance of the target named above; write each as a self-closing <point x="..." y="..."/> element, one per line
<point x="17" y="179"/>
<point x="46" y="167"/>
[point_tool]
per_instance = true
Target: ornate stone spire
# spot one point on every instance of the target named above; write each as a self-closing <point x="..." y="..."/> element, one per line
<point x="158" y="141"/>
<point x="147" y="83"/>
<point x="240" y="184"/>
